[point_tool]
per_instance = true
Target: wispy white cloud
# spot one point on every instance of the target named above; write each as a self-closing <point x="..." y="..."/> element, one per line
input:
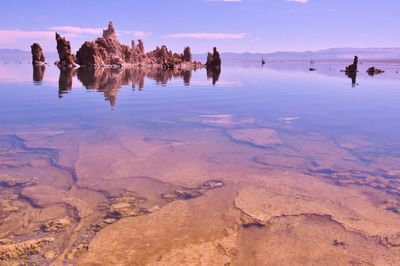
<point x="299" y="1"/>
<point x="13" y="38"/>
<point x="207" y="35"/>
<point x="137" y="33"/>
<point x="76" y="30"/>
<point x="22" y="39"/>
<point x="224" y="1"/>
<point x="72" y="31"/>
<point x="7" y="35"/>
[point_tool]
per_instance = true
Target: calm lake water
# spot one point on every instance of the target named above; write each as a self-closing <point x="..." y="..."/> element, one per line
<point x="96" y="146"/>
<point x="325" y="101"/>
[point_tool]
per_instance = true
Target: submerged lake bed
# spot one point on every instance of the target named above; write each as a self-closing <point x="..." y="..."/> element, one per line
<point x="143" y="166"/>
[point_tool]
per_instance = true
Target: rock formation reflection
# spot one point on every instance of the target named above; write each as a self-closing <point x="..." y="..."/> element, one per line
<point x="353" y="77"/>
<point x="213" y="72"/>
<point x="65" y="81"/>
<point x="38" y="73"/>
<point x="351" y="71"/>
<point x="110" y="80"/>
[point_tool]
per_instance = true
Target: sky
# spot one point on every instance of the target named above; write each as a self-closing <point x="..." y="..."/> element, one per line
<point x="230" y="25"/>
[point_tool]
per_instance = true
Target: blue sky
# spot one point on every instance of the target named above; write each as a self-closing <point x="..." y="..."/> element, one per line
<point x="231" y="25"/>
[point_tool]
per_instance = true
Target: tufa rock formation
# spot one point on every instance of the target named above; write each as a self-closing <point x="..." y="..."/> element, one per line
<point x="165" y="57"/>
<point x="108" y="51"/>
<point x="37" y="54"/>
<point x="109" y="33"/>
<point x="213" y="66"/>
<point x="214" y="59"/>
<point x="351" y="71"/>
<point x="140" y="46"/>
<point x="89" y="55"/>
<point x="67" y="59"/>
<point x="353" y="67"/>
<point x="187" y="55"/>
<point x="374" y="71"/>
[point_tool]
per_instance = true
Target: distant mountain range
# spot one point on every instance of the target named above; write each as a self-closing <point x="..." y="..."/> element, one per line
<point x="334" y="54"/>
<point x="16" y="55"/>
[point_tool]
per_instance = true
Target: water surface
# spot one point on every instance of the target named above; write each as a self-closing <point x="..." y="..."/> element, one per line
<point x="193" y="160"/>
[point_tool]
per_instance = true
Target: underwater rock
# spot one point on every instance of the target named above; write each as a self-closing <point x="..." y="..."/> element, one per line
<point x="109" y="220"/>
<point x="125" y="205"/>
<point x="8" y="206"/>
<point x="10" y="181"/>
<point x="392" y="240"/>
<point x="258" y="137"/>
<point x="55" y="225"/>
<point x="23" y="249"/>
<point x="50" y="254"/>
<point x="6" y="241"/>
<point x="77" y="251"/>
<point x="338" y="243"/>
<point x="212" y="184"/>
<point x="191" y="193"/>
<point x="37" y="54"/>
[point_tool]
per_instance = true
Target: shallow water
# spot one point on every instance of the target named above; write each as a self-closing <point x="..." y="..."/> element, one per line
<point x="176" y="156"/>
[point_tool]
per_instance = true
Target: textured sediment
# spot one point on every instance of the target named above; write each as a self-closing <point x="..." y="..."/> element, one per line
<point x="255" y="193"/>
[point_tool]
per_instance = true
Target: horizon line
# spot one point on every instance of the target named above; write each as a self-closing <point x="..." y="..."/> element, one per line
<point x="250" y="52"/>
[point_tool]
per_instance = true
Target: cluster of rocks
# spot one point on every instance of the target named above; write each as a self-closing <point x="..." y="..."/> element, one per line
<point x="8" y="181"/>
<point x="107" y="51"/>
<point x="389" y="240"/>
<point x="129" y="205"/>
<point x="374" y="71"/>
<point x="16" y="251"/>
<point x="55" y="225"/>
<point x="8" y="205"/>
<point x="125" y="205"/>
<point x="345" y="177"/>
<point x="168" y="59"/>
<point x="77" y="251"/>
<point x="351" y="70"/>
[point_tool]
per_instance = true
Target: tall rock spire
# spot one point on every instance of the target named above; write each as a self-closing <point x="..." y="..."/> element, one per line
<point x="109" y="33"/>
